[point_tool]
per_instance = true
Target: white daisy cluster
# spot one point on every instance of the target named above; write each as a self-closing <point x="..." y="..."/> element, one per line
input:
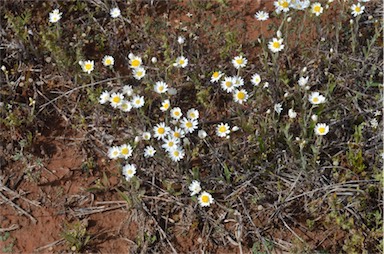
<point x="286" y="5"/>
<point x="234" y="84"/>
<point x="172" y="137"/>
<point x="124" y="100"/>
<point x="204" y="199"/>
<point x="136" y="64"/>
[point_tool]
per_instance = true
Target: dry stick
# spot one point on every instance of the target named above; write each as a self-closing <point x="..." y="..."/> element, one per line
<point x="253" y="224"/>
<point x="160" y="229"/>
<point x="11" y="228"/>
<point x="78" y="88"/>
<point x="62" y="240"/>
<point x="17" y="195"/>
<point x="18" y="208"/>
<point x="293" y="232"/>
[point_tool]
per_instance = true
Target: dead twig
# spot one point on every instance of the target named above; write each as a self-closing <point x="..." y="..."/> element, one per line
<point x="18" y="208"/>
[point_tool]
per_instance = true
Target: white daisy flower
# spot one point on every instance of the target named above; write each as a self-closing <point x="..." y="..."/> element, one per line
<point x="170" y="143"/>
<point x="134" y="61"/>
<point x="181" y="62"/>
<point x="146" y="135"/>
<point x="125" y="106"/>
<point x="180" y="40"/>
<point x="129" y="171"/>
<point x="104" y="97"/>
<point x="282" y="5"/>
<point x="116" y="99"/>
<point x="139" y="73"/>
<point x="202" y="134"/>
<point x="216" y="76"/>
<point x="165" y="105"/>
<point x="262" y="15"/>
<point x="160" y="87"/>
<point x="276" y="45"/>
<point x="357" y="9"/>
<point x="238" y="81"/>
<point x="172" y="91"/>
<point x="176" y="113"/>
<point x="55" y="16"/>
<point x="137" y="101"/>
<point x="161" y="131"/>
<point x="239" y="62"/>
<point x="316" y="98"/>
<point x="222" y="130"/>
<point x="303" y="81"/>
<point x="149" y="151"/>
<point x="316" y="9"/>
<point x="114" y="152"/>
<point x="177" y="133"/>
<point x="189" y="125"/>
<point x="194" y="187"/>
<point x="240" y="96"/>
<point x="177" y="154"/>
<point x="115" y="12"/>
<point x="205" y="199"/>
<point x="321" y="129"/>
<point x="193" y="114"/>
<point x="87" y="66"/>
<point x="292" y="113"/>
<point x="227" y="85"/>
<point x="256" y="79"/>
<point x="125" y="151"/>
<point x="128" y="90"/>
<point x="108" y="61"/>
<point x="300" y="4"/>
<point x="278" y="108"/>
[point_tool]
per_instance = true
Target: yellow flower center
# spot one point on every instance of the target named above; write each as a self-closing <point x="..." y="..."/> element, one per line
<point x="161" y="130"/>
<point x="192" y="115"/>
<point x="315" y="99"/>
<point x="135" y="63"/>
<point x="139" y="73"/>
<point x="285" y="4"/>
<point x="321" y="130"/>
<point x="115" y="153"/>
<point x="108" y="61"/>
<point x="125" y="151"/>
<point x="176" y="153"/>
<point x="215" y="74"/>
<point x="205" y="199"/>
<point x="181" y="62"/>
<point x="357" y="9"/>
<point x="137" y="102"/>
<point x="276" y="44"/>
<point x="222" y="129"/>
<point x="241" y="95"/>
<point x="317" y="8"/>
<point x="129" y="172"/>
<point x="239" y="61"/>
<point x="176" y="113"/>
<point x="161" y="88"/>
<point x="189" y="124"/>
<point x="88" y="66"/>
<point x="170" y="144"/>
<point x="176" y="135"/>
<point x="116" y="99"/>
<point x="228" y="84"/>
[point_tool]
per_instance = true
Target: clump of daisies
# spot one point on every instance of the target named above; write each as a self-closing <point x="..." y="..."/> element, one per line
<point x="124" y="100"/>
<point x="205" y="199"/>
